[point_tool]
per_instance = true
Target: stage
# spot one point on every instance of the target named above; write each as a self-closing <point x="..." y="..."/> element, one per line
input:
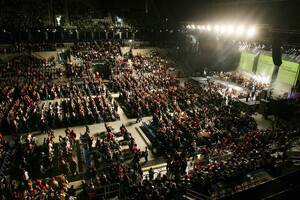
<point x="228" y="84"/>
<point x="249" y="103"/>
<point x="249" y="106"/>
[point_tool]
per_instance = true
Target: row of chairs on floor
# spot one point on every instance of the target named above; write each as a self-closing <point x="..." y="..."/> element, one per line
<point x="148" y="128"/>
<point x="6" y="164"/>
<point x="86" y="154"/>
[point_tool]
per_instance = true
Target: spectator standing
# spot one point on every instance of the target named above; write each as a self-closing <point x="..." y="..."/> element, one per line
<point x="139" y="115"/>
<point x="151" y="174"/>
<point x="145" y="154"/>
<point x="72" y="191"/>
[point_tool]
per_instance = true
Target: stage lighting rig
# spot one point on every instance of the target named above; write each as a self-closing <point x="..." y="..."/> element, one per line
<point x="225" y="30"/>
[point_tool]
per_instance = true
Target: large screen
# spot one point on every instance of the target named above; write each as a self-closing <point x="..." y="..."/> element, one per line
<point x="288" y="72"/>
<point x="246" y="61"/>
<point x="265" y="67"/>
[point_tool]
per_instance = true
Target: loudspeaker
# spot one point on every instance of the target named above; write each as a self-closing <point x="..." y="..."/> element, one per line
<point x="276" y="52"/>
<point x="264" y="107"/>
<point x="264" y="94"/>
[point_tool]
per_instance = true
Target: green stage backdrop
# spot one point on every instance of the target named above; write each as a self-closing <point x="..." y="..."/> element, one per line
<point x="246" y="61"/>
<point x="265" y="66"/>
<point x="288" y="72"/>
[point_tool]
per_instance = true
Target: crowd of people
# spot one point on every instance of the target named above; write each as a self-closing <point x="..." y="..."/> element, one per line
<point x="27" y="68"/>
<point x="27" y="162"/>
<point x="49" y="188"/>
<point x="25" y="107"/>
<point x="189" y="120"/>
<point x="129" y="177"/>
<point x="20" y="47"/>
<point x="42" y="104"/>
<point x="34" y="16"/>
<point x="78" y="96"/>
<point x="198" y="119"/>
<point x="21" y="16"/>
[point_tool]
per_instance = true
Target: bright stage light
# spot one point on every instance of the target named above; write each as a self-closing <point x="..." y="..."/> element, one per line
<point x="240" y="30"/>
<point x="229" y="29"/>
<point x="223" y="29"/>
<point x="216" y="28"/>
<point x="251" y="32"/>
<point x="265" y="79"/>
<point x="226" y="29"/>
<point x="258" y="78"/>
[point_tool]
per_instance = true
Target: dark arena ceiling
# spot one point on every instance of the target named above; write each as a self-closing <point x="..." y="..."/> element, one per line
<point x="276" y="16"/>
<point x="278" y="13"/>
<point x="280" y="17"/>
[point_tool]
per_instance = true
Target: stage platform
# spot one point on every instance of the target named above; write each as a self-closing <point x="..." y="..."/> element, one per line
<point x="199" y="79"/>
<point x="232" y="85"/>
<point x="228" y="84"/>
<point x="249" y="106"/>
<point x="249" y="103"/>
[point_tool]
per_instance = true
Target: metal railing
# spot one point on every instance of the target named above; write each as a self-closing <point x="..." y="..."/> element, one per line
<point x="195" y="195"/>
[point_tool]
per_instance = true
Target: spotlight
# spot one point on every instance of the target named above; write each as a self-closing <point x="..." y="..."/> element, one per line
<point x="208" y="27"/>
<point x="223" y="29"/>
<point x="216" y="28"/>
<point x="258" y="78"/>
<point x="229" y="29"/>
<point x="240" y="30"/>
<point x="188" y="26"/>
<point x="193" y="26"/>
<point x="251" y="32"/>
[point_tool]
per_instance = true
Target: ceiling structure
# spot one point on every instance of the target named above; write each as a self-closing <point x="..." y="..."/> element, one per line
<point x="280" y="14"/>
<point x="277" y="17"/>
